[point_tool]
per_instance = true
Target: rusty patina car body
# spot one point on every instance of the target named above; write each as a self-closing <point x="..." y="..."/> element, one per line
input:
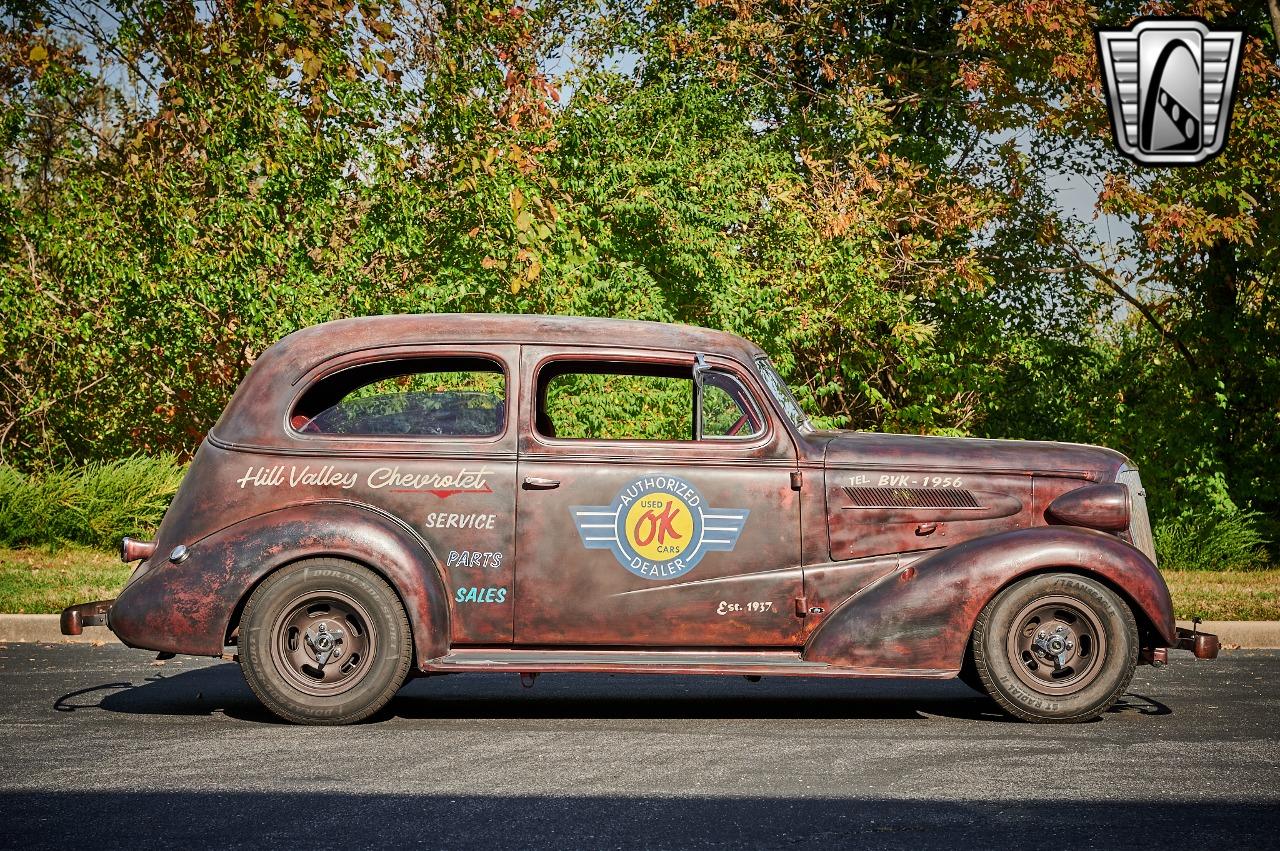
<point x="777" y="549"/>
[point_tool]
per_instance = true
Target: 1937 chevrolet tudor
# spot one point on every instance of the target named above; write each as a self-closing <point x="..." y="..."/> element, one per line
<point x="438" y="494"/>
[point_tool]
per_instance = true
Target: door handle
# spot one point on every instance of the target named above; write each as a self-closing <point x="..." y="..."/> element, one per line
<point x="537" y="483"/>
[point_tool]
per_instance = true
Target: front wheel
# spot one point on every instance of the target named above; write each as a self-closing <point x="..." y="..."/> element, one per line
<point x="324" y="641"/>
<point x="1057" y="647"/>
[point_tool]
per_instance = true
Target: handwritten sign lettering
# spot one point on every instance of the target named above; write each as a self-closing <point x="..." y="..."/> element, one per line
<point x="480" y="595"/>
<point x="443" y="485"/>
<point x="444" y="520"/>
<point x="467" y="558"/>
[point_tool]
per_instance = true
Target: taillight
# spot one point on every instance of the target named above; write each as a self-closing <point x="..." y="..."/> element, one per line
<point x="131" y="550"/>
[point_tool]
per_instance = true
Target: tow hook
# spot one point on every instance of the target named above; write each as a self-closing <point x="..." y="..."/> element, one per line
<point x="75" y="618"/>
<point x="1205" y="645"/>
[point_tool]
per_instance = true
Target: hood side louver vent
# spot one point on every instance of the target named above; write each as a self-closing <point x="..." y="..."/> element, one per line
<point x="910" y="498"/>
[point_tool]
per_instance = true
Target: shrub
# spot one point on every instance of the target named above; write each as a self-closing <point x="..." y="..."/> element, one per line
<point x="92" y="505"/>
<point x="1230" y="541"/>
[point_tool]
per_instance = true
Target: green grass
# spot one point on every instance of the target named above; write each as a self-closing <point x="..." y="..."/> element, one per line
<point x="41" y="579"/>
<point x="1225" y="595"/>
<point x="92" y="505"/>
<point x="36" y="580"/>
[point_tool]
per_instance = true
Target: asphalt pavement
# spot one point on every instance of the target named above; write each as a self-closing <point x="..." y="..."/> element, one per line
<point x="102" y="747"/>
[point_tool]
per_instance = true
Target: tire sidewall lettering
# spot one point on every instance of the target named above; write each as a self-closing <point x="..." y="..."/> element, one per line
<point x="1007" y="688"/>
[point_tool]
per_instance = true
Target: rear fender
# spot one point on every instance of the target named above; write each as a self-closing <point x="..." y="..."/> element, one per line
<point x="920" y="616"/>
<point x="188" y="607"/>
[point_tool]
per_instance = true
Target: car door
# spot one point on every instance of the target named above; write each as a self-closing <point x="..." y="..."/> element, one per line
<point x="632" y="532"/>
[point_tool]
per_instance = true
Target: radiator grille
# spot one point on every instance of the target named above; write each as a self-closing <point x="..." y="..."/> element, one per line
<point x="911" y="498"/>
<point x="1139" y="523"/>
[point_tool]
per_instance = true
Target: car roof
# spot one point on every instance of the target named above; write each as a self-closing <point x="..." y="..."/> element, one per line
<point x="256" y="412"/>
<point x="332" y="338"/>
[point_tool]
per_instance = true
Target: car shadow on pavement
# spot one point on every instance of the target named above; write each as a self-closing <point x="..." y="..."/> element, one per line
<point x="565" y="820"/>
<point x="222" y="688"/>
<point x="203" y="691"/>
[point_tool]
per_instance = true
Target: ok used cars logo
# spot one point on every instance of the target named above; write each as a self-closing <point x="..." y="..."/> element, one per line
<point x="658" y="527"/>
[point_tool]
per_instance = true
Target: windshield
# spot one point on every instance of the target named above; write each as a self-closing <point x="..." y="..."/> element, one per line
<point x="782" y="394"/>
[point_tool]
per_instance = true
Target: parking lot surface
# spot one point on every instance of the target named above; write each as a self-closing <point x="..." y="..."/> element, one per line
<point x="104" y="748"/>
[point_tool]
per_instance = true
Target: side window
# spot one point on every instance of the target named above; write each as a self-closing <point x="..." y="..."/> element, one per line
<point x="727" y="408"/>
<point x="637" y="401"/>
<point x="414" y="397"/>
<point x="615" y="401"/>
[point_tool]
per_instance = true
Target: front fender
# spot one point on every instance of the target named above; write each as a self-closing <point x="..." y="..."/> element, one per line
<point x="187" y="607"/>
<point x="920" y="616"/>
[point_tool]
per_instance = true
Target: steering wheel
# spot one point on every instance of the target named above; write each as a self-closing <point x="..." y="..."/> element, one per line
<point x="737" y="427"/>
<point x="303" y="423"/>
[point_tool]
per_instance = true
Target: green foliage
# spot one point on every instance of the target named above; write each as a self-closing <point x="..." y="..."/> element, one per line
<point x="612" y="407"/>
<point x="1211" y="542"/>
<point x="92" y="505"/>
<point x="282" y="173"/>
<point x="1185" y="377"/>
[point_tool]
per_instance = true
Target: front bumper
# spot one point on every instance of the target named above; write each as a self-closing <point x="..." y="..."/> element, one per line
<point x="1204" y="644"/>
<point x="75" y="618"/>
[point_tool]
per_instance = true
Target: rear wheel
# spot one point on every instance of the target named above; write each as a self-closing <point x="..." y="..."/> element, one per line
<point x="324" y="641"/>
<point x="1057" y="647"/>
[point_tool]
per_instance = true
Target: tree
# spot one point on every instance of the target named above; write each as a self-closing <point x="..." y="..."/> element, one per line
<point x="1191" y="383"/>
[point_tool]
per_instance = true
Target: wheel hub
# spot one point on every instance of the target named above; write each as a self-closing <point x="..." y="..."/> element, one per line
<point x="1056" y="646"/>
<point x="325" y="643"/>
<point x="322" y="643"/>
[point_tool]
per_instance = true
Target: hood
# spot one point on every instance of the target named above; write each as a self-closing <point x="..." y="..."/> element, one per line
<point x="897" y="493"/>
<point x="958" y="454"/>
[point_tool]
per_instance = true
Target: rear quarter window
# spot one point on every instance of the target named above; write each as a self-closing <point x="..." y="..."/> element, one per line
<point x="419" y="397"/>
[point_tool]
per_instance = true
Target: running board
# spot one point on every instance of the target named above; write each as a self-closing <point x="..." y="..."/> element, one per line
<point x="759" y="663"/>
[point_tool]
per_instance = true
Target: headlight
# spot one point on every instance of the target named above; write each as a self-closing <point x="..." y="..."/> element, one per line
<point x="1104" y="507"/>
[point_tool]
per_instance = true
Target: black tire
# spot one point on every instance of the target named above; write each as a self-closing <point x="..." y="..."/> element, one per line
<point x="324" y="641"/>
<point x="1091" y="629"/>
<point x="969" y="673"/>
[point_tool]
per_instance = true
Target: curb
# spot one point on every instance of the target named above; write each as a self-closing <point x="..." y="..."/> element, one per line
<point x="43" y="629"/>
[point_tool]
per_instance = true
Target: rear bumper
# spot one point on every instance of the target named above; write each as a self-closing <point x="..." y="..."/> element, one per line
<point x="75" y="618"/>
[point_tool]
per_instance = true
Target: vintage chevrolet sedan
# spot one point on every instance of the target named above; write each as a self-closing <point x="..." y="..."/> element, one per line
<point x="420" y="495"/>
